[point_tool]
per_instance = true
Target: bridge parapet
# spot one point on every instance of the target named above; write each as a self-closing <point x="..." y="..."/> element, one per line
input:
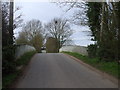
<point x="79" y="49"/>
<point x="21" y="49"/>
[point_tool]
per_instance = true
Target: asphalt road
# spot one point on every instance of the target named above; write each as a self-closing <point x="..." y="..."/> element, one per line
<point x="52" y="70"/>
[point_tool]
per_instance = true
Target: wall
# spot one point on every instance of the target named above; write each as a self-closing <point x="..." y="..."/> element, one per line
<point x="79" y="49"/>
<point x="21" y="49"/>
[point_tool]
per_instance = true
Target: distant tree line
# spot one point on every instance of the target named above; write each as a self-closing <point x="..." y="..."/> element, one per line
<point x="34" y="33"/>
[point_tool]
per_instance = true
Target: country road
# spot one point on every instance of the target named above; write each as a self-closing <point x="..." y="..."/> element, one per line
<point x="56" y="70"/>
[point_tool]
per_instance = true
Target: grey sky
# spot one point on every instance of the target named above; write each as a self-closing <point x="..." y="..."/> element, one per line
<point x="45" y="11"/>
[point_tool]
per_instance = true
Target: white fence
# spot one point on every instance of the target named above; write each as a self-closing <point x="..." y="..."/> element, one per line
<point x="79" y="49"/>
<point x="21" y="49"/>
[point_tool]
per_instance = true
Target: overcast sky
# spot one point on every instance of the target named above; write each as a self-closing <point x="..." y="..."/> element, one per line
<point x="45" y="11"/>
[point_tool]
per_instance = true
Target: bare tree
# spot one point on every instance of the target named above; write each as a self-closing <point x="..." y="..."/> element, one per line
<point x="22" y="38"/>
<point x="59" y="29"/>
<point x="32" y="28"/>
<point x="31" y="34"/>
<point x="79" y="15"/>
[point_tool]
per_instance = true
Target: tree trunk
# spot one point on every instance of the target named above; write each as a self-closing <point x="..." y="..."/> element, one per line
<point x="116" y="18"/>
<point x="102" y="21"/>
<point x="11" y="22"/>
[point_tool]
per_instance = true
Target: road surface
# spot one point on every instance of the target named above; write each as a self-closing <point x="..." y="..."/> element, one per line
<point x="56" y="70"/>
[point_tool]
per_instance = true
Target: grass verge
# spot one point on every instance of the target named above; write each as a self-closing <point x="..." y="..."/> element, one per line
<point x="23" y="60"/>
<point x="108" y="67"/>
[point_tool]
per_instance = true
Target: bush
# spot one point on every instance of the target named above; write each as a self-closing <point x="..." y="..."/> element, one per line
<point x="25" y="58"/>
<point x="103" y="53"/>
<point x="11" y="77"/>
<point x="8" y="63"/>
<point x="106" y="54"/>
<point x="52" y="45"/>
<point x="92" y="50"/>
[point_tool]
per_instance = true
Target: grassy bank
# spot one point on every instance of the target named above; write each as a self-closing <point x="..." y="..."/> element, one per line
<point x="23" y="60"/>
<point x="108" y="67"/>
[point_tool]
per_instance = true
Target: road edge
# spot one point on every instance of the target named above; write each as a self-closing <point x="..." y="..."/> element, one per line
<point x="104" y="74"/>
<point x="22" y="74"/>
